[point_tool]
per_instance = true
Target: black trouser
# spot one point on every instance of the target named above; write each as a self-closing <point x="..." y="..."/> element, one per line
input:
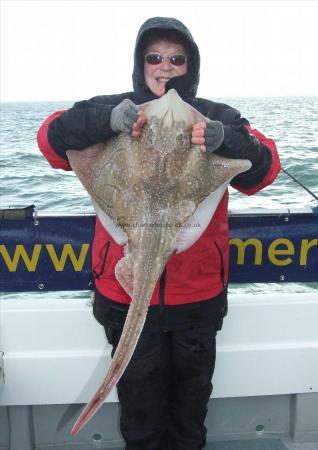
<point x="165" y="389"/>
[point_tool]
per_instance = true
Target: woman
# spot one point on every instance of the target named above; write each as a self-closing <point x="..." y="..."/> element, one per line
<point x="166" y="387"/>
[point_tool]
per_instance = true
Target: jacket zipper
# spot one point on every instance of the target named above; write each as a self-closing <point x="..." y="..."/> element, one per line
<point x="162" y="285"/>
<point x="98" y="275"/>
<point x="222" y="263"/>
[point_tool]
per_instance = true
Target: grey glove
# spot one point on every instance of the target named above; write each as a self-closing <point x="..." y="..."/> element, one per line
<point x="123" y="116"/>
<point x="214" y="136"/>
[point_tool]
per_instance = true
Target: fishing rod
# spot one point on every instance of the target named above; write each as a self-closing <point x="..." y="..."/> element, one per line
<point x="300" y="184"/>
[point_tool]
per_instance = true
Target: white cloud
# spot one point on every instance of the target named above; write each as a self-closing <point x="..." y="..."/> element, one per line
<point x="60" y="50"/>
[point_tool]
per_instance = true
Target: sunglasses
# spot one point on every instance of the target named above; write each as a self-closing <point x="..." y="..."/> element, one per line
<point x="155" y="58"/>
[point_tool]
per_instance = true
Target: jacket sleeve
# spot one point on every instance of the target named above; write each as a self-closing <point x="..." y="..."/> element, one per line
<point x="85" y="124"/>
<point x="242" y="141"/>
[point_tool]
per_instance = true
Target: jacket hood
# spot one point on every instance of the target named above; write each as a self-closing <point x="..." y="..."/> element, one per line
<point x="186" y="85"/>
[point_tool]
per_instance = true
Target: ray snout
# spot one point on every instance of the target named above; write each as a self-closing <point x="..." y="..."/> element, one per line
<point x="170" y="108"/>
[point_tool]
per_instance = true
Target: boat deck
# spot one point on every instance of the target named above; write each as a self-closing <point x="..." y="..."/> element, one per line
<point x="265" y="394"/>
<point x="258" y="444"/>
<point x="48" y="428"/>
<point x="254" y="444"/>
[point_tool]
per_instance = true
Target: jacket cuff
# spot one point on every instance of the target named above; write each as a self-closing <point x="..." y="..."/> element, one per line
<point x="257" y="172"/>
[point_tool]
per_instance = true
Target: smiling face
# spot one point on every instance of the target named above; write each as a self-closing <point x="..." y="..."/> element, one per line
<point x="156" y="76"/>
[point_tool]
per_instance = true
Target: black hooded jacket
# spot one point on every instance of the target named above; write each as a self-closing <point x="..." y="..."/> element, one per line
<point x="88" y="121"/>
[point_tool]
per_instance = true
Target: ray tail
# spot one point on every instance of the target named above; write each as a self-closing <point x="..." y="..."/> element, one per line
<point x="147" y="270"/>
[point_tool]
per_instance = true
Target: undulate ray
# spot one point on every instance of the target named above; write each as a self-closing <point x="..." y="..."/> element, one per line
<point x="148" y="193"/>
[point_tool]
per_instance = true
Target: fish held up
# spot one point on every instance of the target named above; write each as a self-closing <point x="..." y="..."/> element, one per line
<point x="155" y="196"/>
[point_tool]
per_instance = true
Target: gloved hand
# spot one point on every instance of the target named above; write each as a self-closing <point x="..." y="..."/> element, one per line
<point x="209" y="135"/>
<point x="123" y="116"/>
<point x="214" y="136"/>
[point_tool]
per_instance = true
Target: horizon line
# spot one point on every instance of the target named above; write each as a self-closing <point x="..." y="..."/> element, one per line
<point x="210" y="97"/>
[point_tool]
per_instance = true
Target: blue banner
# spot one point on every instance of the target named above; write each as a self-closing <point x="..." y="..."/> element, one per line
<point x="50" y="253"/>
<point x="54" y="253"/>
<point x="267" y="248"/>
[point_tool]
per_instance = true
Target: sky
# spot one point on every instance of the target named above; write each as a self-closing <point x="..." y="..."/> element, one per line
<point x="76" y="49"/>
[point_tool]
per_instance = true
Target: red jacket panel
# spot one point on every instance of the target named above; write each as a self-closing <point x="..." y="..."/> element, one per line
<point x="55" y="161"/>
<point x="275" y="168"/>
